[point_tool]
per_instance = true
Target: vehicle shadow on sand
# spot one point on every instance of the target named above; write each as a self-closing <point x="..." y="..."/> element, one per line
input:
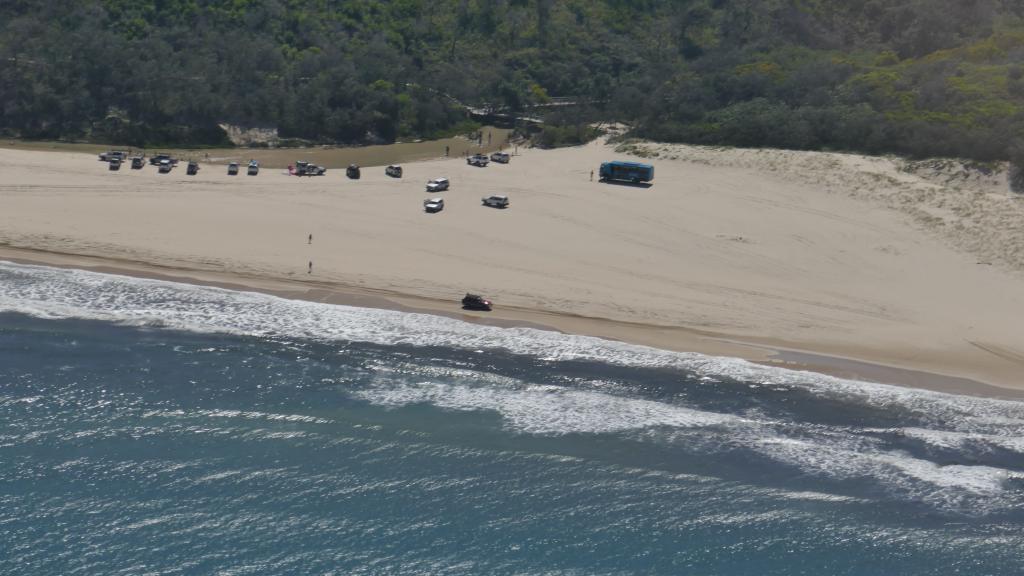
<point x="629" y="184"/>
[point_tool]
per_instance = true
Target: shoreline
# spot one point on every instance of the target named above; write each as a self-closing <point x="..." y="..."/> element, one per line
<point x="676" y="339"/>
<point x="797" y="260"/>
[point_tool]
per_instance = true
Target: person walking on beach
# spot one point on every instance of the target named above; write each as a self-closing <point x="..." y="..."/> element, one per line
<point x="310" y="267"/>
<point x="591" y="175"/>
<point x="311" y="236"/>
<point x="488" y="138"/>
<point x="446" y="151"/>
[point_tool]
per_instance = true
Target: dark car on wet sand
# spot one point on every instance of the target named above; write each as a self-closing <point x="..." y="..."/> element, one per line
<point x="476" y="302"/>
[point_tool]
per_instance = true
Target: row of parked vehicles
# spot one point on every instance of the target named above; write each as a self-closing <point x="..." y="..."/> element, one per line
<point x="165" y="163"/>
<point x="252" y="170"/>
<point x="481" y="160"/>
<point x="115" y="158"/>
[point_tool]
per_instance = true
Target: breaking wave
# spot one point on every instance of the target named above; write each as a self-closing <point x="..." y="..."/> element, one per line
<point x="938" y="457"/>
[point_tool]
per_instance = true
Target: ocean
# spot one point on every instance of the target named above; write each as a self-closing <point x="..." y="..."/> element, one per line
<point x="149" y="427"/>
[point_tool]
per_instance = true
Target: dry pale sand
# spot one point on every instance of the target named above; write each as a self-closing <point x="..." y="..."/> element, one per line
<point x="733" y="252"/>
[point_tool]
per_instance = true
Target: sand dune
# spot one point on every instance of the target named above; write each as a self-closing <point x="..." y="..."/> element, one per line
<point x="968" y="205"/>
<point x="737" y="252"/>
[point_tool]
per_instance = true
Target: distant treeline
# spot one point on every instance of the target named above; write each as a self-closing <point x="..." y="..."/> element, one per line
<point x="916" y="77"/>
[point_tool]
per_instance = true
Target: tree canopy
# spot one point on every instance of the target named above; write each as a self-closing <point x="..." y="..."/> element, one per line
<point x="917" y="77"/>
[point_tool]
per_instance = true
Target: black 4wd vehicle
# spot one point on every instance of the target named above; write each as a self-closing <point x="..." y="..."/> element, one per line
<point x="160" y="157"/>
<point x="496" y="201"/>
<point x="476" y="302"/>
<point x="121" y="155"/>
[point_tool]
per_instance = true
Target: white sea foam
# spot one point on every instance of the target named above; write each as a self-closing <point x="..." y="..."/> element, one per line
<point x="248" y="415"/>
<point x="979" y="489"/>
<point x="63" y="293"/>
<point x="845" y="461"/>
<point x="961" y="440"/>
<point x="817" y="497"/>
<point x="549" y="409"/>
<point x="5" y="400"/>
<point x="219" y="475"/>
<point x="959" y="421"/>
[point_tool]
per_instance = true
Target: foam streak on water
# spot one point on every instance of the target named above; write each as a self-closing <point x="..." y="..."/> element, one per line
<point x="63" y="293"/>
<point x="154" y="426"/>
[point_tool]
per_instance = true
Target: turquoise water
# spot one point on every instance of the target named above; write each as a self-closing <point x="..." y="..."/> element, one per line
<point x="149" y="427"/>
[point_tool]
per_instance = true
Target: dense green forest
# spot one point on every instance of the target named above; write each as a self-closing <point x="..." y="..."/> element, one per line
<point x="916" y="77"/>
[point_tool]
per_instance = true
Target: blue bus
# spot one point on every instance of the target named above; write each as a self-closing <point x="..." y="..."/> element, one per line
<point x="629" y="171"/>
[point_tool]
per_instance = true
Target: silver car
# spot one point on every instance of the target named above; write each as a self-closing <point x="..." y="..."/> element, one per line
<point x="437" y="185"/>
<point x="433" y="204"/>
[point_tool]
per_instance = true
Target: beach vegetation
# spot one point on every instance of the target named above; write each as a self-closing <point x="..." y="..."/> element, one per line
<point x="553" y="136"/>
<point x="917" y="78"/>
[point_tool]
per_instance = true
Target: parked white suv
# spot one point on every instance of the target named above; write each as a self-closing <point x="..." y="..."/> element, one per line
<point x="437" y="185"/>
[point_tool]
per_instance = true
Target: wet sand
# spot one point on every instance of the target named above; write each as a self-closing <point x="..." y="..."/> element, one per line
<point x="680" y="340"/>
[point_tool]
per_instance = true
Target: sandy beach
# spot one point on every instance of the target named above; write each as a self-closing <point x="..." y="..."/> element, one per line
<point x="780" y="257"/>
